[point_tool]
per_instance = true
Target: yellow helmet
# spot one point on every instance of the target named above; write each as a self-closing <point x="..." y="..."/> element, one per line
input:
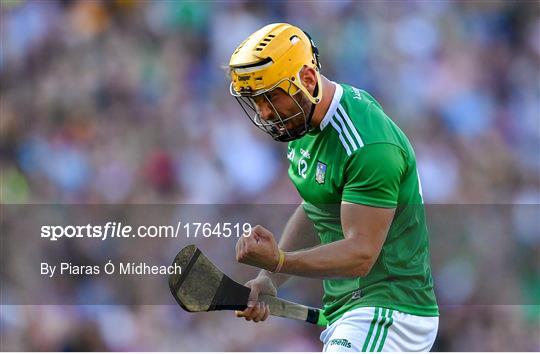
<point x="271" y="58"/>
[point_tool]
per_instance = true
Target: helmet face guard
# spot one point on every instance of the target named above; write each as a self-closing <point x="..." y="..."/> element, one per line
<point x="276" y="128"/>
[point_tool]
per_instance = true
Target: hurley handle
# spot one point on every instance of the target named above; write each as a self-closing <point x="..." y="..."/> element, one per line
<point x="292" y="310"/>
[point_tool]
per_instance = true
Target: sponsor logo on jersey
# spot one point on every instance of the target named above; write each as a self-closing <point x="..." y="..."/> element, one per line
<point x="290" y="154"/>
<point x="341" y="341"/>
<point x="321" y="172"/>
<point x="357" y="94"/>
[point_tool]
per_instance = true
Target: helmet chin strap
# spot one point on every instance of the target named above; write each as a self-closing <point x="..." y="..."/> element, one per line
<point x="301" y="130"/>
<point x="315" y="93"/>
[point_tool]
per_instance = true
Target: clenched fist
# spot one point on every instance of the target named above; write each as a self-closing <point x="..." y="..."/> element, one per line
<point x="258" y="249"/>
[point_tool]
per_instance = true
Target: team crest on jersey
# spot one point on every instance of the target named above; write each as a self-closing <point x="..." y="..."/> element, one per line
<point x="321" y="172"/>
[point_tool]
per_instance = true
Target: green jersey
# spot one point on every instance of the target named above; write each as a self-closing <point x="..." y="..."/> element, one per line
<point x="359" y="155"/>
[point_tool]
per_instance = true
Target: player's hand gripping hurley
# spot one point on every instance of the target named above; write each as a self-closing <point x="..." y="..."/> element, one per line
<point x="203" y="287"/>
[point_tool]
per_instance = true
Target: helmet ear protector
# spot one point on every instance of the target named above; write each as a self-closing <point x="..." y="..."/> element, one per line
<point x="272" y="58"/>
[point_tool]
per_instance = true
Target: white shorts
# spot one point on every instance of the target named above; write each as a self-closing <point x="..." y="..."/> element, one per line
<point x="370" y="329"/>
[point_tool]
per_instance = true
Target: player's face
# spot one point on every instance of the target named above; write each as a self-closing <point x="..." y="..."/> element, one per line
<point x="281" y="111"/>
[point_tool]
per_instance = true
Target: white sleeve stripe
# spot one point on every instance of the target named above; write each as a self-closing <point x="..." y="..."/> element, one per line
<point x="351" y="125"/>
<point x="346" y="131"/>
<point x="338" y="129"/>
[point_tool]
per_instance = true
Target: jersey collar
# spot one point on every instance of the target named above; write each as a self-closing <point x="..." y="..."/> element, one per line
<point x="333" y="106"/>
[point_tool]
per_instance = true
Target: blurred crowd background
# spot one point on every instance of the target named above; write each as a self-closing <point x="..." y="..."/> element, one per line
<point x="126" y="102"/>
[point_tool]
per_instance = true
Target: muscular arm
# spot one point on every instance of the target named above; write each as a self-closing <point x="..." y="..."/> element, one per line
<point x="365" y="230"/>
<point x="370" y="196"/>
<point x="298" y="234"/>
<point x="369" y="199"/>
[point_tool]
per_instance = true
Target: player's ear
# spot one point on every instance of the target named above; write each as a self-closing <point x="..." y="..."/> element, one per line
<point x="308" y="77"/>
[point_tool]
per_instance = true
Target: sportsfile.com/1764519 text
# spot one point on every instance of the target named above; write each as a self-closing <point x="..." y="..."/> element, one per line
<point x="119" y="230"/>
